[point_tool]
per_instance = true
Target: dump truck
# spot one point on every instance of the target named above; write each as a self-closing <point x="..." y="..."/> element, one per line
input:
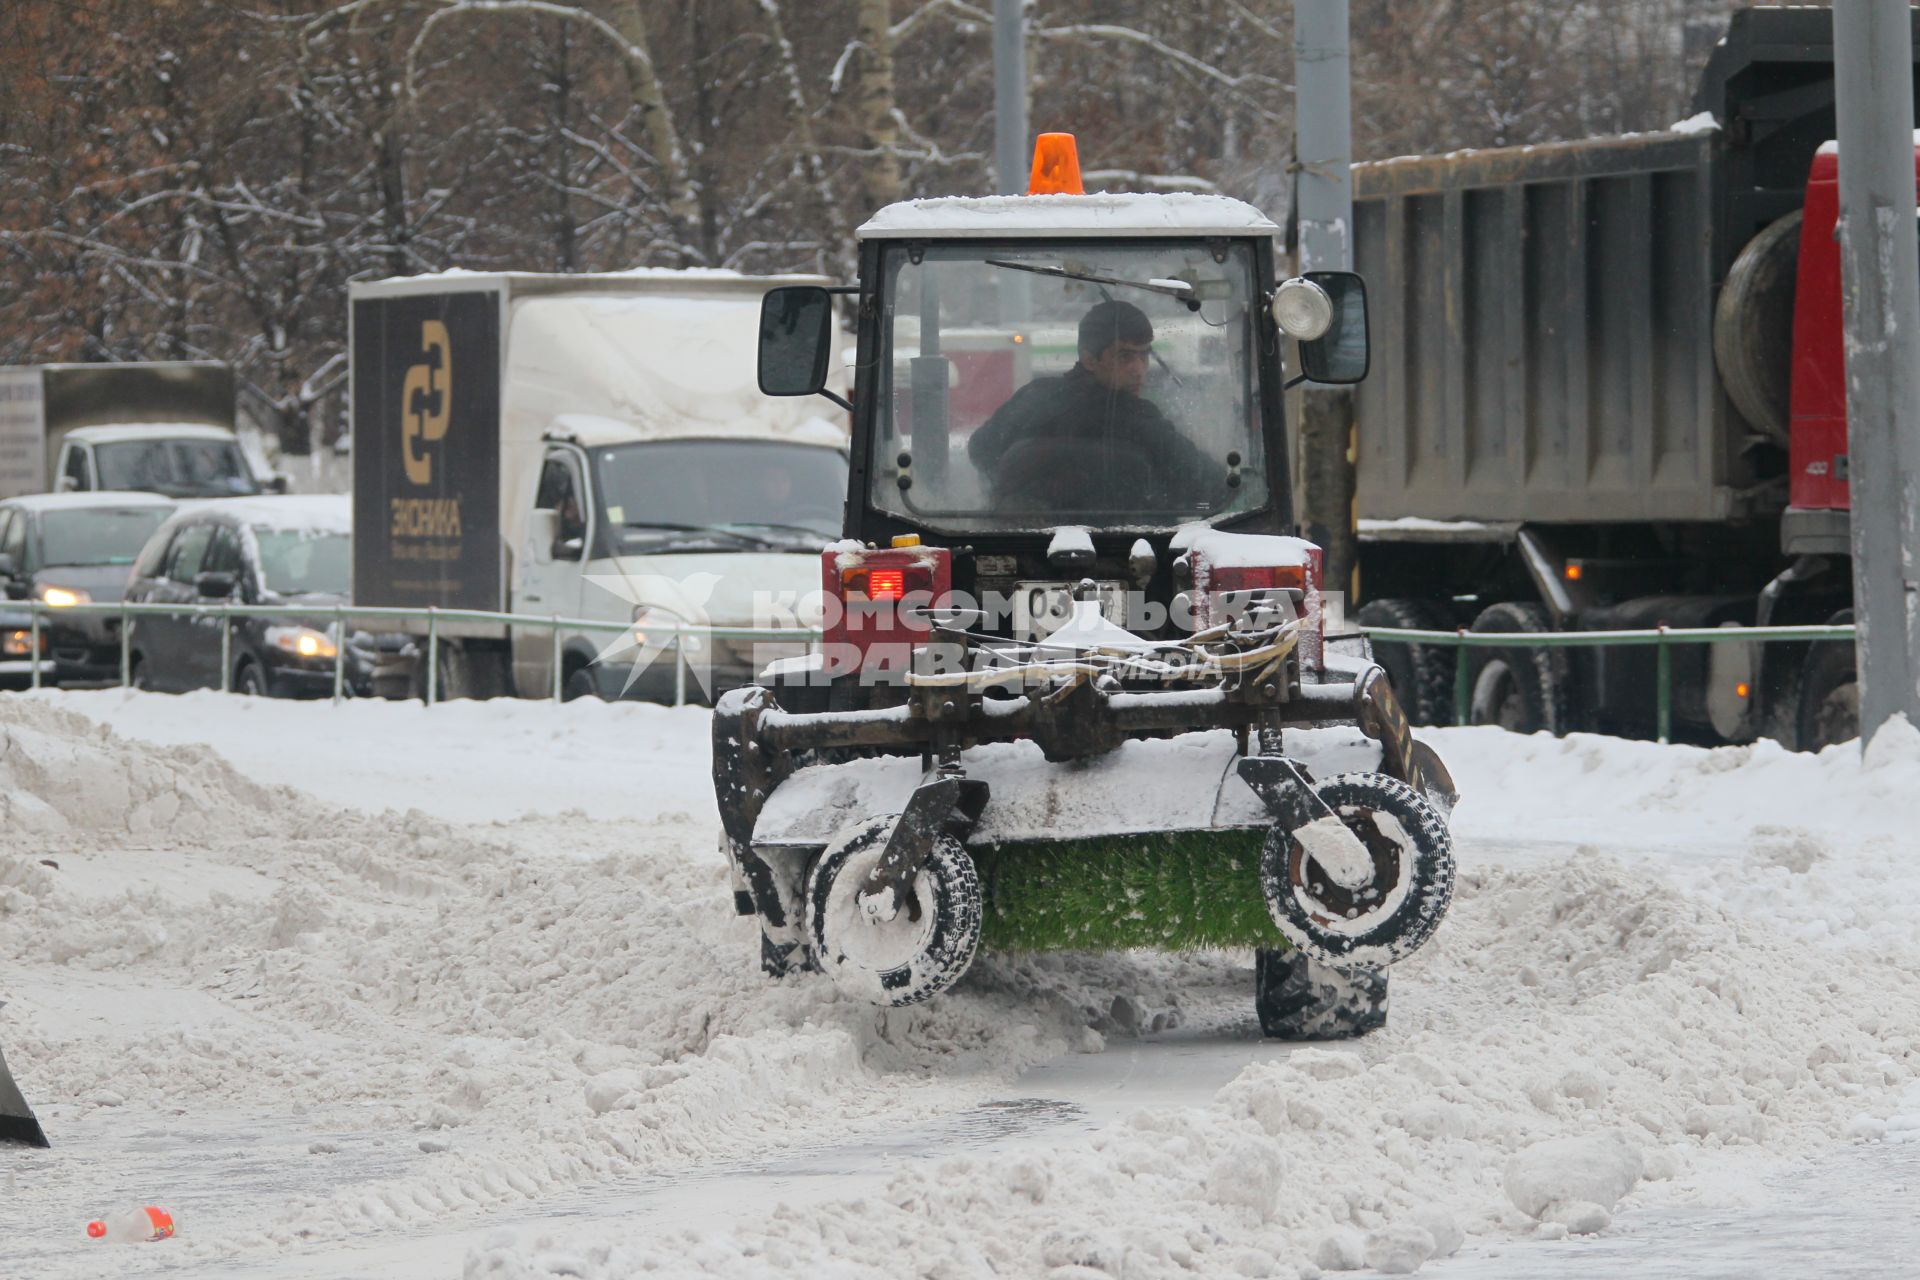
<point x="587" y="447"/>
<point x="1079" y="687"/>
<point x="161" y="426"/>
<point x="1610" y="395"/>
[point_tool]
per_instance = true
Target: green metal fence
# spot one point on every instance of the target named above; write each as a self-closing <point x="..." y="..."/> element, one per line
<point x="1462" y="640"/>
<point x="1663" y="638"/>
<point x="434" y="619"/>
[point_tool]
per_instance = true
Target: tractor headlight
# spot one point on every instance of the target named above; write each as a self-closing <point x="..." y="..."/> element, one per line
<point x="301" y="642"/>
<point x="1302" y="309"/>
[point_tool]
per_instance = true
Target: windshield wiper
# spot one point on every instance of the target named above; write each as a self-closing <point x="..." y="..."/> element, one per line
<point x="798" y="529"/>
<point x="714" y="530"/>
<point x="1171" y="288"/>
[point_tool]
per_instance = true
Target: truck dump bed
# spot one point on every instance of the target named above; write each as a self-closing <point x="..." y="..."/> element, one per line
<point x="1542" y="321"/>
<point x="1543" y="316"/>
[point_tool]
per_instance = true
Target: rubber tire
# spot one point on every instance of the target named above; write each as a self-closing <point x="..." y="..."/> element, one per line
<point x="249" y="673"/>
<point x="1298" y="998"/>
<point x="137" y="675"/>
<point x="1422" y="674"/>
<point x="579" y="685"/>
<point x="954" y="937"/>
<point x="1539" y="695"/>
<point x="1398" y="934"/>
<point x="1829" y="697"/>
<point x="1753" y="327"/>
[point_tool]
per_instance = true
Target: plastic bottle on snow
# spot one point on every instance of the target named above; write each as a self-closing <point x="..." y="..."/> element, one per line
<point x="132" y="1226"/>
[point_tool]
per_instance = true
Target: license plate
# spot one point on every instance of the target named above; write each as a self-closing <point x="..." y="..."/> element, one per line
<point x="1040" y="607"/>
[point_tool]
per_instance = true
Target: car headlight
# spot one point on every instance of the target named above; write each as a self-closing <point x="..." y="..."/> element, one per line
<point x="18" y="643"/>
<point x="654" y="625"/>
<point x="61" y="597"/>
<point x="301" y="642"/>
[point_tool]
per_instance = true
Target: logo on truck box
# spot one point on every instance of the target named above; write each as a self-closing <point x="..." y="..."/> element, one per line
<point x="426" y="451"/>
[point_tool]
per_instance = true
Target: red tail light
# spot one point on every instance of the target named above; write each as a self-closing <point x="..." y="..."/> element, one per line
<point x="873" y="616"/>
<point x="879" y="584"/>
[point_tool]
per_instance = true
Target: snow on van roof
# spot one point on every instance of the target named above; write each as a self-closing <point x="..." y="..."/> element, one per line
<point x="120" y="431"/>
<point x="90" y="498"/>
<point x="1180" y="213"/>
<point x="582" y="280"/>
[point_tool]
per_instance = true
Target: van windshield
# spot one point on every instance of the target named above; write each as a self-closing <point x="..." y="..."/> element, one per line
<point x="747" y="493"/>
<point x="1109" y="383"/>
<point x="177" y="468"/>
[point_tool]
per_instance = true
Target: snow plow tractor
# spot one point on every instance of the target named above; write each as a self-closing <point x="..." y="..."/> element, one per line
<point x="1078" y="687"/>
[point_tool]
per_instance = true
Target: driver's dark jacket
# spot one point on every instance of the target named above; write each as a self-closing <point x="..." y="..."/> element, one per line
<point x="1075" y="406"/>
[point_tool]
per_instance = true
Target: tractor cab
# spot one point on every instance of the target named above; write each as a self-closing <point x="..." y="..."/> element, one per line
<point x="1069" y="639"/>
<point x="1058" y="388"/>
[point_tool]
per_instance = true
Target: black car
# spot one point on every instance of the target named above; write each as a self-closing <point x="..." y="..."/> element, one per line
<point x="65" y="549"/>
<point x="294" y="551"/>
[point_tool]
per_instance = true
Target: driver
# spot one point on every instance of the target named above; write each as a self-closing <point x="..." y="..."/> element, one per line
<point x="1093" y="408"/>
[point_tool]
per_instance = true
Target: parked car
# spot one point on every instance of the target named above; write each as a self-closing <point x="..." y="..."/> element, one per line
<point x="262" y="551"/>
<point x="66" y="549"/>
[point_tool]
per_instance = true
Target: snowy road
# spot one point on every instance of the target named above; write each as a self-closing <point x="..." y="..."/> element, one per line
<point x="500" y="1038"/>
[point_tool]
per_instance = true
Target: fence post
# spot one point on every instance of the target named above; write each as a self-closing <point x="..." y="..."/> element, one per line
<point x="33" y="644"/>
<point x="226" y="651"/>
<point x="680" y="670"/>
<point x="126" y="646"/>
<point x="1663" y="689"/>
<point x="557" y="689"/>
<point x="433" y="653"/>
<point x="339" y="652"/>
<point x="1462" y="685"/>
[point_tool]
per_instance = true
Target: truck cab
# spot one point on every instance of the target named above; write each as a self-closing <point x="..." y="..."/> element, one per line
<point x="180" y="460"/>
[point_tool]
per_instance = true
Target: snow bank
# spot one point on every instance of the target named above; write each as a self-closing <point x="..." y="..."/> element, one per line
<point x="1558" y="1006"/>
<point x="437" y="1025"/>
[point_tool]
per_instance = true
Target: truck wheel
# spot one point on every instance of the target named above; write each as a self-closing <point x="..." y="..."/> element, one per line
<point x="1405" y="898"/>
<point x="1298" y="998"/>
<point x="1753" y="327"/>
<point x="579" y="685"/>
<point x="1523" y="690"/>
<point x="1422" y="674"/>
<point x="1829" y="697"/>
<point x="919" y="953"/>
<point x="249" y="681"/>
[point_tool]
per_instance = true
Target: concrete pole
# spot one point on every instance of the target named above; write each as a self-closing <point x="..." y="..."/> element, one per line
<point x="1880" y="272"/>
<point x="1323" y="211"/>
<point x="1010" y="142"/>
<point x="1323" y="135"/>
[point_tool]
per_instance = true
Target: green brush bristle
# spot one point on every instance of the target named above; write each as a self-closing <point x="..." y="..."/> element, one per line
<point x="1173" y="891"/>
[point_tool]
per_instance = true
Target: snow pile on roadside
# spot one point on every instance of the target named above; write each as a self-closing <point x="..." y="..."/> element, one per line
<point x="548" y="1005"/>
<point x="1556" y="1004"/>
<point x="1655" y="1015"/>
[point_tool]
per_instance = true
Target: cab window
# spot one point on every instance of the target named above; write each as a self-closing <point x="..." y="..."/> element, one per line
<point x="75" y="473"/>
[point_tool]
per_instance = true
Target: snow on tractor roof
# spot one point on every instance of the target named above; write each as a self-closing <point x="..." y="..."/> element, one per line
<point x="1181" y="213"/>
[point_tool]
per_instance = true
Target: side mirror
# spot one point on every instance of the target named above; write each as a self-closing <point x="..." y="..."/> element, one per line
<point x="1340" y="356"/>
<point x="67" y="485"/>
<point x="796" y="340"/>
<point x="277" y="482"/>
<point x="569" y="548"/>
<point x="543" y="530"/>
<point x="215" y="586"/>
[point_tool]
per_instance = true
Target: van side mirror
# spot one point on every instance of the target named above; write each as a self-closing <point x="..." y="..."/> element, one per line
<point x="1340" y="356"/>
<point x="796" y="340"/>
